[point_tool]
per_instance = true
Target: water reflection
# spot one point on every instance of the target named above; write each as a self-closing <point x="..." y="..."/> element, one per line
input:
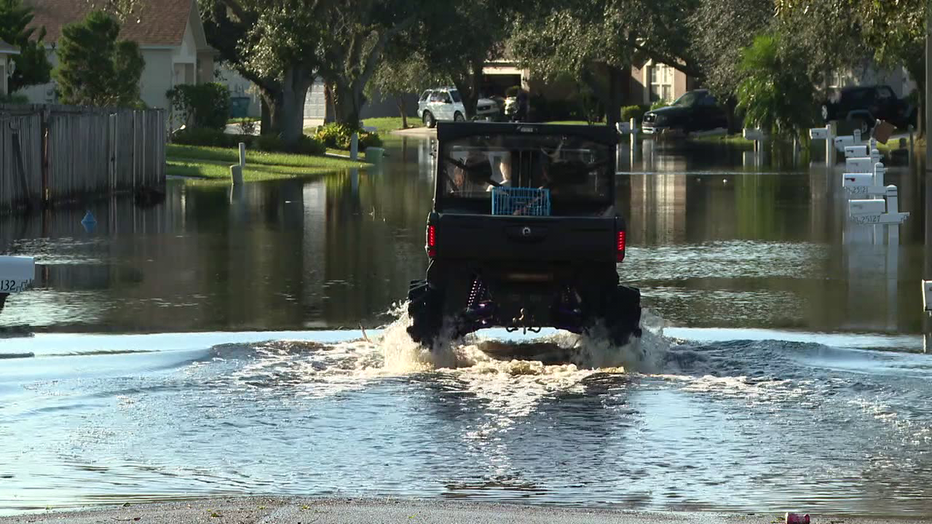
<point x="720" y="237"/>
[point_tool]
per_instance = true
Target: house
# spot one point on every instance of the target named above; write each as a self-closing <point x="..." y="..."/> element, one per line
<point x="170" y="35"/>
<point x="7" y="52"/>
<point x="655" y="81"/>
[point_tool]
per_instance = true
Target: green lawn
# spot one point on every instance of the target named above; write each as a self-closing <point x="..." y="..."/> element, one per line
<point x="231" y="156"/>
<point x="386" y="125"/>
<point x="732" y="140"/>
<point x="214" y="163"/>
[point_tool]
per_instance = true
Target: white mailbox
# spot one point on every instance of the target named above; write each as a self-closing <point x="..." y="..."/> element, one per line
<point x="927" y="295"/>
<point x="878" y="211"/>
<point x="818" y="133"/>
<point x="856" y="151"/>
<point x="753" y="134"/>
<point x="862" y="208"/>
<point x="16" y="273"/>
<point x="841" y="142"/>
<point x="861" y="184"/>
<point x="859" y="165"/>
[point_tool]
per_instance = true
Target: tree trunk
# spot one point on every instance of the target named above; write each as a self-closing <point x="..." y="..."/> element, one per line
<point x="297" y="82"/>
<point x="346" y="104"/>
<point x="921" y="124"/>
<point x="271" y="112"/>
<point x="613" y="102"/>
<point x="731" y="115"/>
<point x="400" y="101"/>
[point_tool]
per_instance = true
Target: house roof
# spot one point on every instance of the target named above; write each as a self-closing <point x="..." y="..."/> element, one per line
<point x="154" y="23"/>
<point x="8" y="49"/>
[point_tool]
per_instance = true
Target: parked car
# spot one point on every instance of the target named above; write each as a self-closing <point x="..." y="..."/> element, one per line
<point x="488" y="109"/>
<point x="695" y="111"/>
<point x="865" y="105"/>
<point x="445" y="103"/>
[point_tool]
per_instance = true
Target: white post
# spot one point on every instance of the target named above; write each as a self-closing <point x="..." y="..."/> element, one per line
<point x="354" y="147"/>
<point x="236" y="175"/>
<point x="242" y="155"/>
<point x="830" y="145"/>
<point x="634" y="134"/>
<point x="879" y="172"/>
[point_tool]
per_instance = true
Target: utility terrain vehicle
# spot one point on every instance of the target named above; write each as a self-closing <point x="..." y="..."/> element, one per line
<point x="524" y="234"/>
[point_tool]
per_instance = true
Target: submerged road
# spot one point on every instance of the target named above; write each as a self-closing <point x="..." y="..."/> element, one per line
<point x="262" y="510"/>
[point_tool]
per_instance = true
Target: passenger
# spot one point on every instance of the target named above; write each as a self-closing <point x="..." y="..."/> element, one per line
<point x="504" y="174"/>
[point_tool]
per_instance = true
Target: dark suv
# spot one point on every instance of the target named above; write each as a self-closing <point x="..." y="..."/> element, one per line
<point x="524" y="234"/>
<point x="866" y="105"/>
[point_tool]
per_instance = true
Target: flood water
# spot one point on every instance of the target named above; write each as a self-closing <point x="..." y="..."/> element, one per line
<point x="253" y="343"/>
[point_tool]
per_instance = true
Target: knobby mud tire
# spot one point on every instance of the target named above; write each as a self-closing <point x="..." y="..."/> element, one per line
<point x="425" y="307"/>
<point x="620" y="315"/>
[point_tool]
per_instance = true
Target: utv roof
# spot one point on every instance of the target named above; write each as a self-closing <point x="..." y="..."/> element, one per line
<point x="454" y="130"/>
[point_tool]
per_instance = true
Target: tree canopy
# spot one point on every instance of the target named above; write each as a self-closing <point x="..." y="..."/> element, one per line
<point x="31" y="65"/>
<point x="94" y="67"/>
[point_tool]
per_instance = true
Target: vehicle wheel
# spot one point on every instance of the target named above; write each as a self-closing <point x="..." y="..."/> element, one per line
<point x="621" y="314"/>
<point x="429" y="120"/>
<point x="862" y="124"/>
<point x="425" y="307"/>
<point x="458" y="117"/>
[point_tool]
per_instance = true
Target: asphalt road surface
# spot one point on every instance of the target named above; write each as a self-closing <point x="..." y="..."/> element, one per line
<point x="263" y="510"/>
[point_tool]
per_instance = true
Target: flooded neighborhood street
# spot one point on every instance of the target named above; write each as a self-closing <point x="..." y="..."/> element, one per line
<point x="252" y="342"/>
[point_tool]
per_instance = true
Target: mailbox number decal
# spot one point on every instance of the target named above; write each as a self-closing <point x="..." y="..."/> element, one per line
<point x="857" y="190"/>
<point x="13" y="286"/>
<point x="869" y="219"/>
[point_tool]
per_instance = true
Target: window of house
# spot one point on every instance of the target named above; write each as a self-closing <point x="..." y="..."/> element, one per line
<point x="836" y="80"/>
<point x="661" y="83"/>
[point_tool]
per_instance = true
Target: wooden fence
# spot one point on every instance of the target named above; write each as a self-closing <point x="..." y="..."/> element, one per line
<point x="52" y="154"/>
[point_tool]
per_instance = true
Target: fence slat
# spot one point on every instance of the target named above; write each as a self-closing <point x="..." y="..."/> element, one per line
<point x="91" y="152"/>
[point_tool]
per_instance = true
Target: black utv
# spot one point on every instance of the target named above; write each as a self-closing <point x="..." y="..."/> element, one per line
<point x="524" y="234"/>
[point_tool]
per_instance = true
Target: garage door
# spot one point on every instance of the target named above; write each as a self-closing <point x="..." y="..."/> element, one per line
<point x="315" y="106"/>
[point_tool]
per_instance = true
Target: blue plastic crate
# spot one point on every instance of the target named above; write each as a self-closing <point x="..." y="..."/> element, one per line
<point x="521" y="201"/>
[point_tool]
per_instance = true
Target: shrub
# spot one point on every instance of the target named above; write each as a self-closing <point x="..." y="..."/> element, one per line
<point x="202" y="105"/>
<point x="267" y="143"/>
<point x="339" y="136"/>
<point x="776" y="95"/>
<point x="208" y="137"/>
<point x="310" y="146"/>
<point x="512" y="91"/>
<point x="635" y="112"/>
<point x="658" y="104"/>
<point x="15" y="98"/>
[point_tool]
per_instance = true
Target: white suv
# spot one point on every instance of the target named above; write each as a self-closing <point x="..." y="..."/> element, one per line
<point x="440" y="104"/>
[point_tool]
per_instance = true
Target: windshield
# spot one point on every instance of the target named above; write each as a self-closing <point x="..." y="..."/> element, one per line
<point x="689" y="99"/>
<point x="565" y="170"/>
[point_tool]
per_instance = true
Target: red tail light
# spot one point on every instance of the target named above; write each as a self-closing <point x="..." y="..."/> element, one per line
<point x="620" y="248"/>
<point x="431" y="241"/>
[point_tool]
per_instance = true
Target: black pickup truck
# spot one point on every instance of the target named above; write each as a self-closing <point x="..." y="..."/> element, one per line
<point x="524" y="234"/>
<point x="865" y="105"/>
